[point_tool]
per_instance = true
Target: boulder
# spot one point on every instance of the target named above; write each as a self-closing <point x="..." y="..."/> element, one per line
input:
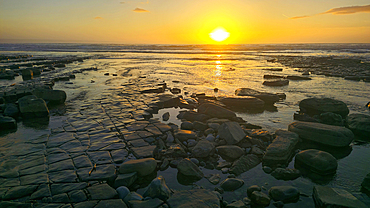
<point x="268" y="98"/>
<point x="194" y="198"/>
<point x="335" y="197"/>
<point x="359" y="125"/>
<point x="260" y="198"/>
<point x="317" y="106"/>
<point x="331" y="119"/>
<point x="253" y="188"/>
<point x="184" y="135"/>
<point x="231" y="184"/>
<point x="275" y="83"/>
<point x="143" y="167"/>
<point x="245" y="102"/>
<point x="186" y="125"/>
<point x="194" y="116"/>
<point x="7" y="123"/>
<point x="286" y="174"/>
<point x="11" y="110"/>
<point x="216" y="111"/>
<point x="319" y="162"/>
<point x="292" y="77"/>
<point x="366" y="184"/>
<point x="335" y="136"/>
<point x="32" y="107"/>
<point x="231" y="132"/>
<point x="284" y="193"/>
<point x="244" y="163"/>
<point x="230" y="152"/>
<point x="187" y="168"/>
<point x="158" y="189"/>
<point x="53" y="97"/>
<point x="203" y="148"/>
<point x="281" y="150"/>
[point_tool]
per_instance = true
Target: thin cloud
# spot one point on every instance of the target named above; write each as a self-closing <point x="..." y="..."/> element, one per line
<point x="140" y="10"/>
<point x="348" y="10"/>
<point x="98" y="17"/>
<point x="340" y="11"/>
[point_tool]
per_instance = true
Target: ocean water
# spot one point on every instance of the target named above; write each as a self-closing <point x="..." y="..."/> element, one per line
<point x="202" y="68"/>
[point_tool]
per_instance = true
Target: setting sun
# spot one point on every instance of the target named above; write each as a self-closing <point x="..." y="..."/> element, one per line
<point x="219" y="34"/>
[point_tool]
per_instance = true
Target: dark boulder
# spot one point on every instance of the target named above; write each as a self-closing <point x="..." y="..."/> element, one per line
<point x="317" y="106"/>
<point x="276" y="83"/>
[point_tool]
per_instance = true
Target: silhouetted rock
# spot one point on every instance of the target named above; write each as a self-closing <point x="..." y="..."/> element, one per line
<point x="32" y="107"/>
<point x="269" y="76"/>
<point x="268" y="98"/>
<point x="359" y="125"/>
<point x="282" y="82"/>
<point x="317" y="106"/>
<point x="336" y="136"/>
<point x="298" y="78"/>
<point x="319" y="162"/>
<point x="245" y="102"/>
<point x="53" y="97"/>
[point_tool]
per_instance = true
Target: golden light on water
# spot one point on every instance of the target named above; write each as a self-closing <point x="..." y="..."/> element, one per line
<point x="219" y="34"/>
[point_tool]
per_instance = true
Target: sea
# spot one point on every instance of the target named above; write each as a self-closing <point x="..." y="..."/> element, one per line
<point x="203" y="68"/>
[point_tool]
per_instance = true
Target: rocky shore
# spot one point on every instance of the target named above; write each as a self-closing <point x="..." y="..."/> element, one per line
<point x="109" y="151"/>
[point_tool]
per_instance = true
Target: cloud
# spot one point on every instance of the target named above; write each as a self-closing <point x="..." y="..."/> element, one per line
<point x="98" y="17"/>
<point x="299" y="17"/>
<point x="348" y="10"/>
<point x="147" y="2"/>
<point x="340" y="11"/>
<point x="140" y="10"/>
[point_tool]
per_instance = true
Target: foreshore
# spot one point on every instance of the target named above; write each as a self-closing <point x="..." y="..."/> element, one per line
<point x="101" y="147"/>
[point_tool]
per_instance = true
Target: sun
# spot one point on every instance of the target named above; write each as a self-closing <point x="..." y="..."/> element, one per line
<point x="219" y="34"/>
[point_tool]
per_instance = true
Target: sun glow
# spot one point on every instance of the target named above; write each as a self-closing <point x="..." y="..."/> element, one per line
<point x="219" y="34"/>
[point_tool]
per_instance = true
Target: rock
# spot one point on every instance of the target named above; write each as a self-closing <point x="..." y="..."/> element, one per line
<point x="200" y="126"/>
<point x="231" y="184"/>
<point x="184" y="135"/>
<point x="359" y="125"/>
<point x="19" y="192"/>
<point x="366" y="184"/>
<point x="101" y="191"/>
<point x="253" y="188"/>
<point x="244" y="163"/>
<point x="331" y="119"/>
<point x="27" y="73"/>
<point x="269" y="76"/>
<point x="53" y="97"/>
<point x="186" y="125"/>
<point x="319" y="162"/>
<point x="286" y="174"/>
<point x="158" y="189"/>
<point x="298" y="78"/>
<point x="175" y="151"/>
<point x="284" y="193"/>
<point x="260" y="198"/>
<point x="245" y="102"/>
<point x="214" y="178"/>
<point x="335" y="197"/>
<point x="143" y="167"/>
<point x="281" y="150"/>
<point x="278" y="204"/>
<point x="11" y="110"/>
<point x="237" y="204"/>
<point x="281" y="82"/>
<point x="194" y="116"/>
<point x="268" y="98"/>
<point x="32" y="107"/>
<point x="132" y="196"/>
<point x="230" y="152"/>
<point x="194" y="198"/>
<point x="216" y="111"/>
<point x="166" y="116"/>
<point x="210" y="138"/>
<point x="336" y="136"/>
<point x="273" y="69"/>
<point x="125" y="180"/>
<point x="317" y="106"/>
<point x="203" y="148"/>
<point x="7" y="123"/>
<point x="146" y="203"/>
<point x="188" y="168"/>
<point x="231" y="132"/>
<point x="111" y="203"/>
<point x="122" y="191"/>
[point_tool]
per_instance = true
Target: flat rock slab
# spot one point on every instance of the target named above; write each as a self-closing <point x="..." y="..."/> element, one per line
<point x="19" y="192"/>
<point x="244" y="163"/>
<point x="317" y="106"/>
<point x="143" y="152"/>
<point x="64" y="176"/>
<point x="335" y="197"/>
<point x="269" y="98"/>
<point x="59" y="188"/>
<point x="194" y="198"/>
<point x="359" y="125"/>
<point x="276" y="83"/>
<point x="101" y="192"/>
<point x="231" y="132"/>
<point x="281" y="149"/>
<point x="335" y="136"/>
<point x="102" y="172"/>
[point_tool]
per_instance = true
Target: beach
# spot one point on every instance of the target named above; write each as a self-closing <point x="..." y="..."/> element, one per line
<point x="139" y="107"/>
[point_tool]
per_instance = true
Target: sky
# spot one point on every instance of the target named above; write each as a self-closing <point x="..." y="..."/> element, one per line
<point x="184" y="21"/>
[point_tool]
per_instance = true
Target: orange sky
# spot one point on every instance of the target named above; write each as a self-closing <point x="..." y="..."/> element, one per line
<point x="185" y="21"/>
